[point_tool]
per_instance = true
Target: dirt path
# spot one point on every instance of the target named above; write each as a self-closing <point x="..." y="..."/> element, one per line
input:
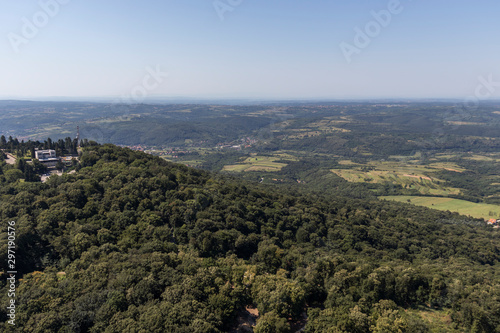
<point x="452" y="170"/>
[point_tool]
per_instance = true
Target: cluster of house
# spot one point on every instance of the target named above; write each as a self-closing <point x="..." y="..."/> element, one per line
<point x="494" y="222"/>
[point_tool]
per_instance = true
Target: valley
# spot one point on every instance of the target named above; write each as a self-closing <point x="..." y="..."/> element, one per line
<point x="311" y="216"/>
<point x="385" y="149"/>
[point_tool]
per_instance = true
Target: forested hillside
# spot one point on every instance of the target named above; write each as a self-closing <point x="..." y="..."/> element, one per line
<point x="133" y="243"/>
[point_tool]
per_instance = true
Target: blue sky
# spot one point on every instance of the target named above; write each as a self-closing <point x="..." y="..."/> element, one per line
<point x="262" y="49"/>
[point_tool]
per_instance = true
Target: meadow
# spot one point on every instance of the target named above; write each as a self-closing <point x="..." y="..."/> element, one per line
<point x="256" y="163"/>
<point x="477" y="210"/>
<point x="406" y="174"/>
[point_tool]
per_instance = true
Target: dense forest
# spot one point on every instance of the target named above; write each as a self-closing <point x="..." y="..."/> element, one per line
<point x="133" y="243"/>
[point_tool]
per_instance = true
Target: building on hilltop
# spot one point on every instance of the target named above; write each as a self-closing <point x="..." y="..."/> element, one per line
<point x="47" y="157"/>
<point x="42" y="155"/>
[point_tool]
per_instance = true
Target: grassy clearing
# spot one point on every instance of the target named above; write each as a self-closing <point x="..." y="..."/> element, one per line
<point x="412" y="167"/>
<point x="285" y="156"/>
<point x="460" y="123"/>
<point x="347" y="162"/>
<point x="408" y="175"/>
<point x="236" y="167"/>
<point x="447" y="166"/>
<point x="438" y="320"/>
<point x="421" y="183"/>
<point x="478" y="210"/>
<point x="445" y="156"/>
<point x="256" y="163"/>
<point x="486" y="157"/>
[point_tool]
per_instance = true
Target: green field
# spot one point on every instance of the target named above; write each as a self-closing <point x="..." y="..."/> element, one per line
<point x="408" y="175"/>
<point x="256" y="163"/>
<point x="478" y="210"/>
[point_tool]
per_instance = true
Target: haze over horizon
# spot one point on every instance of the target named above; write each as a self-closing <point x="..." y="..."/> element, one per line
<point x="234" y="49"/>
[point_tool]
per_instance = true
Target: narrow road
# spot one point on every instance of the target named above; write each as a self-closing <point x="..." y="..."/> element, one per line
<point x="10" y="159"/>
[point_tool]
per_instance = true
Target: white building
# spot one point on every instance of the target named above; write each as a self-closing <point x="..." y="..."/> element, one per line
<point x="47" y="157"/>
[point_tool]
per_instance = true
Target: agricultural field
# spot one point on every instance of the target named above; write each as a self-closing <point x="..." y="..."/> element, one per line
<point x="484" y="157"/>
<point x="347" y="162"/>
<point x="477" y="210"/>
<point x="257" y="163"/>
<point x="444" y="156"/>
<point x="285" y="156"/>
<point x="447" y="166"/>
<point x="409" y="176"/>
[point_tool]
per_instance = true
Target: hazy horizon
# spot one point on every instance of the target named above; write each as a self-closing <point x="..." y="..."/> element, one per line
<point x="236" y="100"/>
<point x="242" y="50"/>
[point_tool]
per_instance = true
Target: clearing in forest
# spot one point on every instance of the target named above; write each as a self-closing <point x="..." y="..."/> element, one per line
<point x="477" y="210"/>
